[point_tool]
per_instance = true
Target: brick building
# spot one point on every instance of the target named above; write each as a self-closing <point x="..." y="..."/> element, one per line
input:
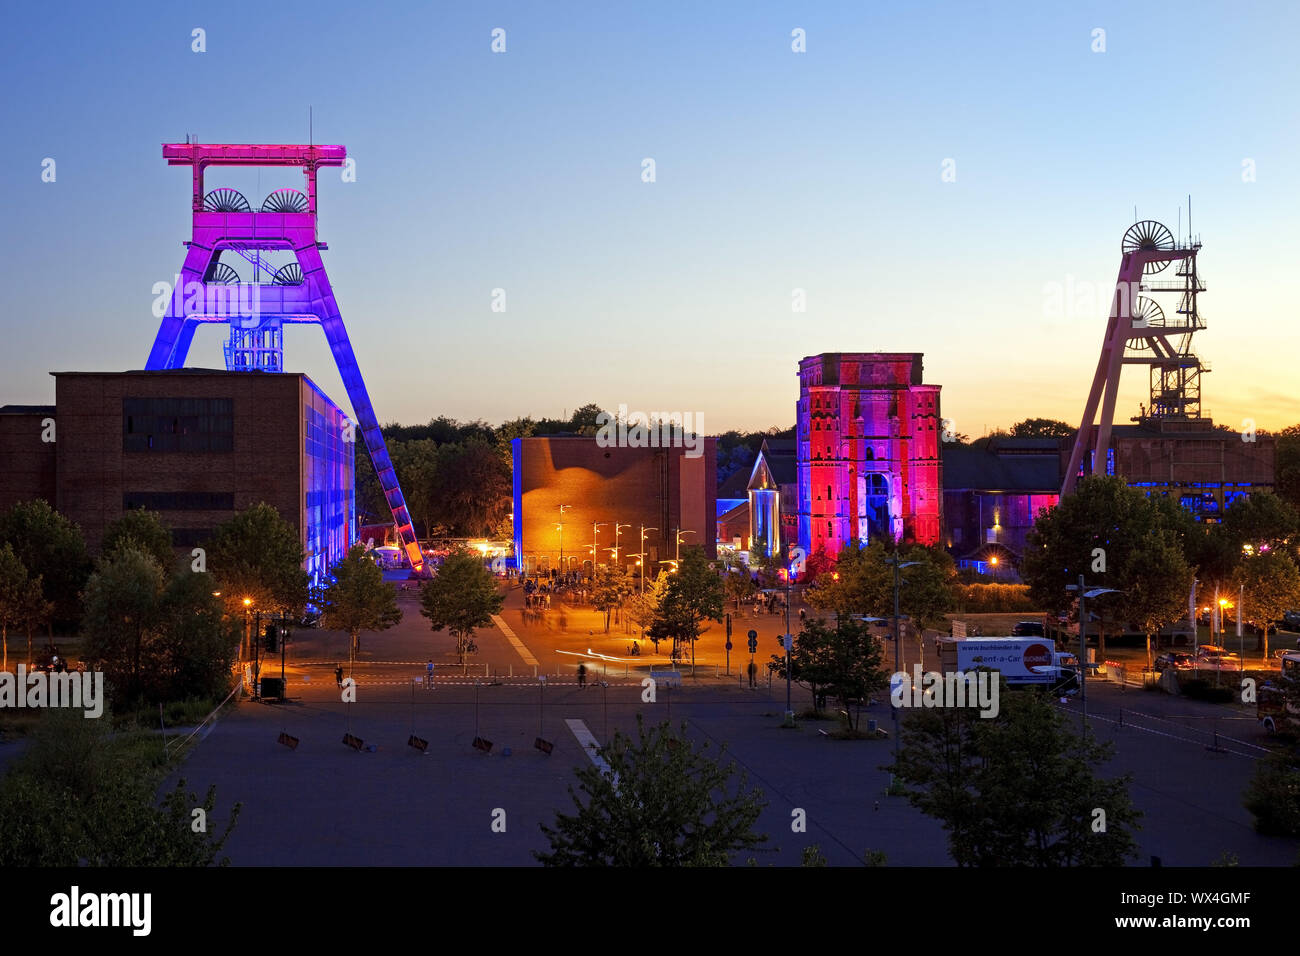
<point x="661" y="488"/>
<point x="868" y="450"/>
<point x="194" y="445"/>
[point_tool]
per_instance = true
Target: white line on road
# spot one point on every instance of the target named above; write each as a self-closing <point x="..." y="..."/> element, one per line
<point x="588" y="742"/>
<point x="516" y="642"/>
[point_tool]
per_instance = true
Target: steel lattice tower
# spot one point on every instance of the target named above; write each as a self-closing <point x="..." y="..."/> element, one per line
<point x="210" y="290"/>
<point x="1139" y="333"/>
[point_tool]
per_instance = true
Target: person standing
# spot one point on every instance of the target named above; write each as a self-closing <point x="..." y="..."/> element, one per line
<point x="753" y="675"/>
<point x="582" y="675"/>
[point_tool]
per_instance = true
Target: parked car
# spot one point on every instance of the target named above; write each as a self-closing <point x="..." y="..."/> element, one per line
<point x="1213" y="657"/>
<point x="1291" y="620"/>
<point x="1028" y="629"/>
<point x="1174" y="660"/>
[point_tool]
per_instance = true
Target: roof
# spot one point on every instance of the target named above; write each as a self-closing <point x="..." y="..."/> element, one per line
<point x="736" y="485"/>
<point x="779" y="453"/>
<point x="737" y="513"/>
<point x="979" y="470"/>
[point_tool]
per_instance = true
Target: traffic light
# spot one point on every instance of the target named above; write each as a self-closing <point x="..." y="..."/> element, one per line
<point x="272" y="637"/>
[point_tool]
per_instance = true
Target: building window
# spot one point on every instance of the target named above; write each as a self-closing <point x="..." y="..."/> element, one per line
<point x="178" y="424"/>
<point x="829" y="496"/>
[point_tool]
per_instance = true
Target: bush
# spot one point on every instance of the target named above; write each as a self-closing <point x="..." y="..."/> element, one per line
<point x="1198" y="688"/>
<point x="1273" y="797"/>
<point x="993" y="598"/>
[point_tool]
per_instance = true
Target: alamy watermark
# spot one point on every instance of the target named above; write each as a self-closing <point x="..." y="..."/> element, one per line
<point x="955" y="689"/>
<point x="651" y="430"/>
<point x="80" y="691"/>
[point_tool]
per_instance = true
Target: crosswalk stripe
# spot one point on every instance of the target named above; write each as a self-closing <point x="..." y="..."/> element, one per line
<point x="588" y="742"/>
<point x="515" y="641"/>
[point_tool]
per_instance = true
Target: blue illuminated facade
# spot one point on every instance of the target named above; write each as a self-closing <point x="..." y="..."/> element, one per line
<point x="329" y="493"/>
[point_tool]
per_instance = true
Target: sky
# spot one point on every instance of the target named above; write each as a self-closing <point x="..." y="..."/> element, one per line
<point x="775" y="171"/>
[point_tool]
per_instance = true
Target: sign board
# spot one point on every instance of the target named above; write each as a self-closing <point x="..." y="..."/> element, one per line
<point x="728" y="645"/>
<point x="288" y="741"/>
<point x="787" y="641"/>
<point x="419" y="743"/>
<point x="354" y="742"/>
<point x="667" y="678"/>
<point x="483" y="745"/>
<point x="1019" y="660"/>
<point x="958" y="628"/>
<point x="545" y="746"/>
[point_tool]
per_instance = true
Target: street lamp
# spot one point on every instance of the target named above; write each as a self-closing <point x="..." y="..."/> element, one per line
<point x="898" y="666"/>
<point x="1086" y="592"/>
<point x="248" y="602"/>
<point x="678" y="554"/>
<point x="642" y="556"/>
<point x="595" y="526"/>
<point x="560" y="528"/>
<point x="618" y="529"/>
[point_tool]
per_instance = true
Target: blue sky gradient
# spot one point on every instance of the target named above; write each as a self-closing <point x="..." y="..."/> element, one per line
<point x="775" y="171"/>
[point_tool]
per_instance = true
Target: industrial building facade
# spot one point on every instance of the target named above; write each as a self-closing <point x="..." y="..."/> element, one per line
<point x="868" y="450"/>
<point x="575" y="500"/>
<point x="194" y="445"/>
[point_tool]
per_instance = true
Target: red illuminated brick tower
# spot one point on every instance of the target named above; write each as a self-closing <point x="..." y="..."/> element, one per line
<point x="868" y="450"/>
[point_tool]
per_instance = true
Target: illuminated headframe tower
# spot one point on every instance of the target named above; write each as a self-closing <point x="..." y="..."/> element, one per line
<point x="1140" y="333"/>
<point x="210" y="290"/>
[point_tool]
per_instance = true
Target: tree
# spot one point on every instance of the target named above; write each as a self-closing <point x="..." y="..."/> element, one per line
<point x="122" y="598"/>
<point x="1261" y="520"/>
<point x="36" y="612"/>
<point x="1272" y="587"/>
<point x="1273" y="795"/>
<point x="462" y="596"/>
<point x="84" y="794"/>
<point x="610" y="589"/>
<point x="643" y="607"/>
<point x="50" y="547"/>
<point x="194" y="644"/>
<point x="15" y="596"/>
<point x="1287" y="465"/>
<point x="358" y="599"/>
<point x="1018" y="789"/>
<point x="662" y="802"/>
<point x="862" y="583"/>
<point x="144" y="531"/>
<point x="1116" y="537"/>
<point x="693" y="596"/>
<point x="258" y="555"/>
<point x="473" y="486"/>
<point x="856" y="670"/>
<point x="416" y="463"/>
<point x="738" y="585"/>
<point x="811" y="661"/>
<point x="1042" y="428"/>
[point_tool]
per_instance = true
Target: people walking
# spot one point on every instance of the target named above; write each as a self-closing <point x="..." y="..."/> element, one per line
<point x="582" y="675"/>
<point x="338" y="675"/>
<point x="753" y="675"/>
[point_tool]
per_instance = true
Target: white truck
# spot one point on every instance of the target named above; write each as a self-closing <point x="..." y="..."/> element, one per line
<point x="1021" y="660"/>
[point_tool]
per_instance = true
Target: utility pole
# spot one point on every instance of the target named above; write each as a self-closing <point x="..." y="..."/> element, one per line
<point x="1084" y="593"/>
<point x="644" y="562"/>
<point x="560" y="527"/>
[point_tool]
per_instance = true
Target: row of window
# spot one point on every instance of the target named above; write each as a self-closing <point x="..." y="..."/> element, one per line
<point x="178" y="424"/>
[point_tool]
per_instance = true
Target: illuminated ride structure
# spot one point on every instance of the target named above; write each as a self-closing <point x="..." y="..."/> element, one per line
<point x="297" y="291"/>
<point x="1141" y="333"/>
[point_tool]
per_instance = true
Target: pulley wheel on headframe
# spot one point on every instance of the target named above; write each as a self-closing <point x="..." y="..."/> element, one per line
<point x="288" y="275"/>
<point x="1148" y="235"/>
<point x="221" y="274"/>
<point x="1146" y="314"/>
<point x="226" y="200"/>
<point x="285" y="200"/>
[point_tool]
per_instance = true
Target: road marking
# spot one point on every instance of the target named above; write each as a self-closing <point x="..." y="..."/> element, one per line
<point x="516" y="642"/>
<point x="588" y="742"/>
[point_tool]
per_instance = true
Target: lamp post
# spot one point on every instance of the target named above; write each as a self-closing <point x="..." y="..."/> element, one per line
<point x="1085" y="592"/>
<point x="618" y="529"/>
<point x="595" y="526"/>
<point x="898" y="665"/>
<point x="644" y="529"/>
<point x="248" y="603"/>
<point x="560" y="528"/>
<point x="677" y="536"/>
